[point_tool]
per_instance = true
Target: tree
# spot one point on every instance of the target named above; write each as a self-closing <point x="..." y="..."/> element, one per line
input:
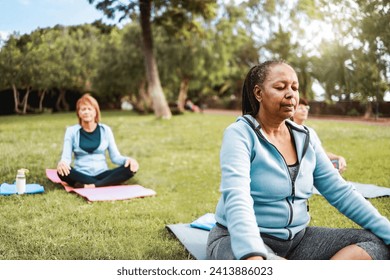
<point x="332" y="72"/>
<point x="174" y="15"/>
<point x="185" y="58"/>
<point x="17" y="60"/>
<point x="282" y="47"/>
<point x="120" y="70"/>
<point x="72" y="60"/>
<point x="36" y="61"/>
<point x="64" y="66"/>
<point x="275" y="25"/>
<point x="160" y="104"/>
<point x="374" y="68"/>
<point x="238" y="51"/>
<point x="353" y="65"/>
<point x="10" y="65"/>
<point x="210" y="60"/>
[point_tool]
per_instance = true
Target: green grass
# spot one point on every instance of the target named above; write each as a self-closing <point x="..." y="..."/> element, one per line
<point x="179" y="159"/>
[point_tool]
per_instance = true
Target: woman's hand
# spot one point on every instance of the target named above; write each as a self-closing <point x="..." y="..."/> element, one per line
<point x="133" y="164"/>
<point x="271" y="257"/>
<point x="342" y="164"/>
<point x="255" y="258"/>
<point x="63" y="168"/>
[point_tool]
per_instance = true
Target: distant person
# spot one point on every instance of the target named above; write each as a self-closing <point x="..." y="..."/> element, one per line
<point x="300" y="116"/>
<point x="88" y="141"/>
<point x="269" y="165"/>
<point x="190" y="106"/>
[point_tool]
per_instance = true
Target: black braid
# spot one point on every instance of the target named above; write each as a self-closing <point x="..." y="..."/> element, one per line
<point x="256" y="76"/>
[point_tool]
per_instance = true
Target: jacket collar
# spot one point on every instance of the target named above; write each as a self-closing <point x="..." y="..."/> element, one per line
<point x="256" y="125"/>
<point x="301" y="141"/>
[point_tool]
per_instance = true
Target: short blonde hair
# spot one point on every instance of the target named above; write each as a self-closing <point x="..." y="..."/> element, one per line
<point x="87" y="99"/>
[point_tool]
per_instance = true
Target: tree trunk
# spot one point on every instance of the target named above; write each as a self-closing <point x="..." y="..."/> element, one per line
<point x="368" y="112"/>
<point x="142" y="101"/>
<point x="41" y="95"/>
<point x="87" y="85"/>
<point x="160" y="105"/>
<point x="184" y="84"/>
<point x="146" y="100"/>
<point x="16" y="98"/>
<point x="61" y="101"/>
<point x="25" y="100"/>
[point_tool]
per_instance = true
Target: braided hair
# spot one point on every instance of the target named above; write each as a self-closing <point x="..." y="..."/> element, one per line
<point x="256" y="76"/>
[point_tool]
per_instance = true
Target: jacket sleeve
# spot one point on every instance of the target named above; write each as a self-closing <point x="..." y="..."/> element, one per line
<point x="113" y="151"/>
<point x="235" y="160"/>
<point x="67" y="148"/>
<point x="342" y="195"/>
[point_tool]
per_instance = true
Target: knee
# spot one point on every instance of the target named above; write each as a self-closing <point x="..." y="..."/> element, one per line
<point x="219" y="245"/>
<point x="62" y="177"/>
<point x="127" y="171"/>
<point x="352" y="252"/>
<point x="376" y="249"/>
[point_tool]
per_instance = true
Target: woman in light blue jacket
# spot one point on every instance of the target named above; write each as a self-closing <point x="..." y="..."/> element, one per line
<point x="269" y="165"/>
<point x="88" y="141"/>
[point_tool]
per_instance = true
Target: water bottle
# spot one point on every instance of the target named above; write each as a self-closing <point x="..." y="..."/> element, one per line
<point x="21" y="181"/>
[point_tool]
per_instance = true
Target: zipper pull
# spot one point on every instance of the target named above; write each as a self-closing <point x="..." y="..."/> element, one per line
<point x="293" y="194"/>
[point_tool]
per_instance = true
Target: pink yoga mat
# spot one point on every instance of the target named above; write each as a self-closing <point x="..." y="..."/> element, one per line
<point x="120" y="192"/>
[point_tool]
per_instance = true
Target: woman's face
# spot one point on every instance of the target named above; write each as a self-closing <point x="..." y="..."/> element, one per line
<point x="87" y="113"/>
<point x="279" y="95"/>
<point x="301" y="113"/>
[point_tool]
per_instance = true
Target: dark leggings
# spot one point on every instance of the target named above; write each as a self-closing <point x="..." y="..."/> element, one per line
<point x="107" y="178"/>
<point x="313" y="243"/>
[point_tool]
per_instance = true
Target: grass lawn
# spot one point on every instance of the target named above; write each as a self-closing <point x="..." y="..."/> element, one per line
<point x="179" y="159"/>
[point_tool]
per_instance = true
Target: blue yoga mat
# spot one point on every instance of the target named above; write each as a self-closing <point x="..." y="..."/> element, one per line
<point x="194" y="236"/>
<point x="367" y="190"/>
<point x="8" y="189"/>
<point x="193" y="239"/>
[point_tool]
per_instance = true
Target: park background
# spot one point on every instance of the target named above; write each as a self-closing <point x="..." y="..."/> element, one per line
<point x="160" y="56"/>
<point x="157" y="57"/>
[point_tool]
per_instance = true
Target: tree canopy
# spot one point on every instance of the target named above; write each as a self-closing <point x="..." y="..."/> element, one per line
<point x="202" y="50"/>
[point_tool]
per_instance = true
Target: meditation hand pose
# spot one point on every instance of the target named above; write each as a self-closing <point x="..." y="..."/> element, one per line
<point x="88" y="141"/>
<point x="269" y="165"/>
<point x="301" y="114"/>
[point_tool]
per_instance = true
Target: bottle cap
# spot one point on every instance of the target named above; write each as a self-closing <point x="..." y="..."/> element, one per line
<point x="22" y="171"/>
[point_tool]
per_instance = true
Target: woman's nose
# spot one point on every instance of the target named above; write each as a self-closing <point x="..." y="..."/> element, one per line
<point x="289" y="94"/>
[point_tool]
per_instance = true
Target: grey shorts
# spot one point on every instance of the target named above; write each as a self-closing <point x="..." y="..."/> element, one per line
<point x="312" y="243"/>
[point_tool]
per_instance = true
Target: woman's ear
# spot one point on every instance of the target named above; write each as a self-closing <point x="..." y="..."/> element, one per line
<point x="258" y="93"/>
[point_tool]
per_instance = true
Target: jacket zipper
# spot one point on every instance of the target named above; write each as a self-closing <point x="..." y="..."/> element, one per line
<point x="289" y="175"/>
<point x="292" y="190"/>
<point x="299" y="166"/>
<point x="257" y="131"/>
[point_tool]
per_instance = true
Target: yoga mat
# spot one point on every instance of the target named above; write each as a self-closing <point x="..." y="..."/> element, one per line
<point x="193" y="239"/>
<point x="194" y="236"/>
<point x="8" y="189"/>
<point x="367" y="190"/>
<point x="121" y="192"/>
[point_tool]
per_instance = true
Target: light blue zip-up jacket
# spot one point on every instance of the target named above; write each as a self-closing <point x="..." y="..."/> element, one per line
<point x="258" y="193"/>
<point x="91" y="163"/>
